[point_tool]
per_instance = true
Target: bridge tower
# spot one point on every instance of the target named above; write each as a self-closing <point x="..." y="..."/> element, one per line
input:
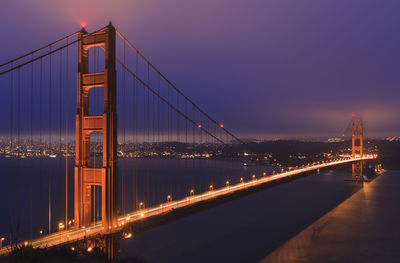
<point x="105" y="177"/>
<point x="357" y="145"/>
<point x="357" y="137"/>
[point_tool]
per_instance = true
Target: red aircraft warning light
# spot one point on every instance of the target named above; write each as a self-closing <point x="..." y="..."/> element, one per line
<point x="199" y="126"/>
<point x="221" y="126"/>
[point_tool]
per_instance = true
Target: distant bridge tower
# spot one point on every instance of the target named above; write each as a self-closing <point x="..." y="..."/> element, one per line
<point x="105" y="177"/>
<point x="357" y="137"/>
<point x="357" y="146"/>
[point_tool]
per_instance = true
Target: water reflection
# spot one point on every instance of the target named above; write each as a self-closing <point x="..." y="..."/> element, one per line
<point x="246" y="229"/>
<point x="361" y="229"/>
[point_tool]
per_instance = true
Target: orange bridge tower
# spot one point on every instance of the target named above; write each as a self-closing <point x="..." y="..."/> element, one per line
<point x="357" y="145"/>
<point x="357" y="137"/>
<point x="86" y="176"/>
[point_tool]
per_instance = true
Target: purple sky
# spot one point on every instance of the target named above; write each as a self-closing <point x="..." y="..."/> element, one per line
<point x="264" y="68"/>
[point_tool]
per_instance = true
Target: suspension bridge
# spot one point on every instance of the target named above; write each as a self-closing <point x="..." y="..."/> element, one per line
<point x="58" y="148"/>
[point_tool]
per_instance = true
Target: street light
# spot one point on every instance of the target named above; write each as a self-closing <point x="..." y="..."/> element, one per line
<point x="211" y="187"/>
<point x="191" y="192"/>
<point x="227" y="183"/>
<point x="241" y="179"/>
<point x="169" y="198"/>
<point x="254" y="176"/>
<point x="127" y="235"/>
<point x="140" y="205"/>
<point x="1" y="242"/>
<point x="61" y="226"/>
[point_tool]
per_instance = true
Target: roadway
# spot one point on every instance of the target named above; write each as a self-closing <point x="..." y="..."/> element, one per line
<point x="68" y="236"/>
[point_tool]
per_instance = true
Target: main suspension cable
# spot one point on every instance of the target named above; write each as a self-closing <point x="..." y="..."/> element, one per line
<point x="50" y="52"/>
<point x="175" y="88"/>
<point x="165" y="101"/>
<point x="39" y="49"/>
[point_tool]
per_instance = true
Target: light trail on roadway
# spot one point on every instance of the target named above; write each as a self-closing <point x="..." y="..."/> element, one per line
<point x="66" y="236"/>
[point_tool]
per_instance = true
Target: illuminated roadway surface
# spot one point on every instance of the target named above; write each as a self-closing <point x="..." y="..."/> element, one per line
<point x="65" y="236"/>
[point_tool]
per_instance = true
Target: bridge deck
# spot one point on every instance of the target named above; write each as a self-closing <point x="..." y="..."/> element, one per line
<point x="67" y="236"/>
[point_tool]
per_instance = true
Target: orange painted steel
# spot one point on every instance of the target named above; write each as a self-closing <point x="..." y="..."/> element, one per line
<point x="106" y="176"/>
<point x="357" y="137"/>
<point x="357" y="145"/>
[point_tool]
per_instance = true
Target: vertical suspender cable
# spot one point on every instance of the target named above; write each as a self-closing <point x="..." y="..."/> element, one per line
<point x="40" y="140"/>
<point x="11" y="151"/>
<point x="31" y="161"/>
<point x="144" y="142"/>
<point x="18" y="151"/>
<point x="169" y="141"/>
<point x="148" y="134"/>
<point x="60" y="124"/>
<point x="201" y="163"/>
<point x="186" y="150"/>
<point x="66" y="137"/>
<point x="136" y="132"/>
<point x="123" y="127"/>
<point x="159" y="179"/>
<point x="193" y="151"/>
<point x="207" y="154"/>
<point x="153" y="141"/>
<point x="178" y="144"/>
<point x="49" y="171"/>
<point x="134" y="144"/>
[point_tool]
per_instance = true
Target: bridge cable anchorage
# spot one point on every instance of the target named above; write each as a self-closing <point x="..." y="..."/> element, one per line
<point x="176" y="89"/>
<point x="48" y="53"/>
